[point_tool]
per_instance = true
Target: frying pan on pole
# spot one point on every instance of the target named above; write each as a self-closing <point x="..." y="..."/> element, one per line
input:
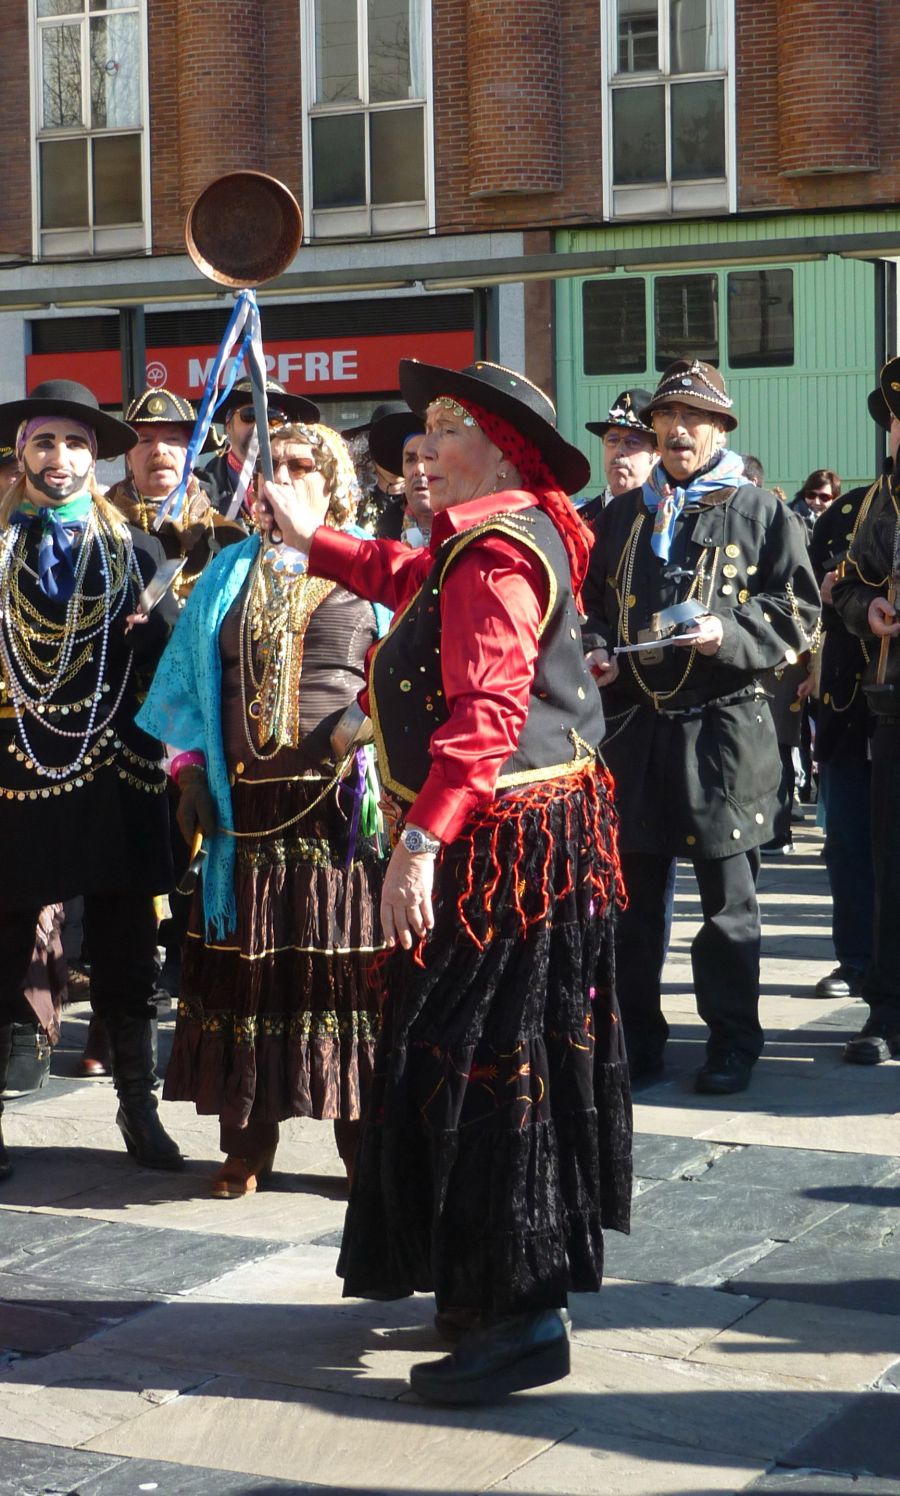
<point x="242" y="230"/>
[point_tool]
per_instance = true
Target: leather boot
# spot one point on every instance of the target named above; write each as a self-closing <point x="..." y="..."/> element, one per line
<point x="134" y="1077"/>
<point x="96" y="1059"/>
<point x="5" y="1048"/>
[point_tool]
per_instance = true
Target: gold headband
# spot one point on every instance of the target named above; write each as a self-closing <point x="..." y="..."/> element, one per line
<point x="444" y="402"/>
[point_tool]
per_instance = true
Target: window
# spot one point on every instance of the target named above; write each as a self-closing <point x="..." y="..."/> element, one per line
<point x="668" y="110"/>
<point x="758" y="332"/>
<point x="760" y="318"/>
<point x="615" y="326"/>
<point x="367" y="86"/>
<point x="686" y="318"/>
<point x="89" y="118"/>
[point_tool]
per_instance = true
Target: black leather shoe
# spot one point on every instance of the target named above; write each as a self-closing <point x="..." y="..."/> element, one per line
<point x="844" y="981"/>
<point x="873" y="1046"/>
<point x="527" y="1350"/>
<point x="453" y="1324"/>
<point x="724" y="1073"/>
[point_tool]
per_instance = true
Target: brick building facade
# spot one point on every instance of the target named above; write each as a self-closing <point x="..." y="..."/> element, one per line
<point x="532" y="119"/>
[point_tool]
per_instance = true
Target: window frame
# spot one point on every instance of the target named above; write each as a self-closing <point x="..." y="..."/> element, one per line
<point x="44" y="239"/>
<point x="612" y="81"/>
<point x="354" y="222"/>
<point x="650" y="280"/>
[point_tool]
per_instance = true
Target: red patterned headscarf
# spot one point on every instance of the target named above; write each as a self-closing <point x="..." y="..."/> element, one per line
<point x="538" y="480"/>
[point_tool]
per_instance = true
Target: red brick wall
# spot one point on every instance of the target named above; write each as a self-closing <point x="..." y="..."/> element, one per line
<point x="515" y="140"/>
<point x="533" y="147"/>
<point x="15" y="132"/>
<point x="817" y="93"/>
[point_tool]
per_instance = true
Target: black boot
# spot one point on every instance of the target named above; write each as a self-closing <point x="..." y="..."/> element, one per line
<point x="5" y="1049"/>
<point x="134" y="1077"/>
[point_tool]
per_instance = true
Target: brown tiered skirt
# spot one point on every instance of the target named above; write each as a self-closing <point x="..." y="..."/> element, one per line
<point x="280" y="1019"/>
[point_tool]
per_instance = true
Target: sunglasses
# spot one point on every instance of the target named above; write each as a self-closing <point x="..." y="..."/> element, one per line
<point x="818" y="493"/>
<point x="248" y="416"/>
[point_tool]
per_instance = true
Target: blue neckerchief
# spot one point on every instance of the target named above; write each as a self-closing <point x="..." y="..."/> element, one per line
<point x="56" y="566"/>
<point x="665" y="500"/>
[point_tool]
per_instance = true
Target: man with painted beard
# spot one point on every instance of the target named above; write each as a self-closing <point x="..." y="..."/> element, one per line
<point x="690" y="739"/>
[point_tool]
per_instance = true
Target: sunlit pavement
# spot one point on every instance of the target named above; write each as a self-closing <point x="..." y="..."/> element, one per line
<point x="747" y="1338"/>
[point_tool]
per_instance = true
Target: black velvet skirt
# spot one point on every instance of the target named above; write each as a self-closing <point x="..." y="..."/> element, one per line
<point x="497" y="1141"/>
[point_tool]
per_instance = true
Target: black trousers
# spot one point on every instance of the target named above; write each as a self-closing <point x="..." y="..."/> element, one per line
<point x="881" y="987"/>
<point x="724" y="954"/>
<point x="120" y="930"/>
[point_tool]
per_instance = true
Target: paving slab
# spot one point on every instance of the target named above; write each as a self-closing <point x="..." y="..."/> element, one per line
<point x="322" y="1343"/>
<point x="683" y="1255"/>
<point x="749" y="1209"/>
<point x="659" y="1157"/>
<point x="860" y="1278"/>
<point x="784" y="1482"/>
<point x="863" y="1439"/>
<point x="273" y="1430"/>
<point x="647" y="1398"/>
<point x="27" y="1468"/>
<point x="67" y="1398"/>
<point x="653" y="1319"/>
<point x="112" y="1255"/>
<point x="842" y="1350"/>
<point x="29" y="1329"/>
<point x="845" y="1177"/>
<point x="616" y="1468"/>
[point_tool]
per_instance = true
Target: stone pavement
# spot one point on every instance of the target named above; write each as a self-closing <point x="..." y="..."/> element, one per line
<point x="747" y="1339"/>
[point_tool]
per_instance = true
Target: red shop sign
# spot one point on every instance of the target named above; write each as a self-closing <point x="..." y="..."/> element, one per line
<point x="325" y="366"/>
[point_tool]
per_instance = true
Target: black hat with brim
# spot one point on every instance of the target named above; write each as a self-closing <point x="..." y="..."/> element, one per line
<point x="158" y="406"/>
<point x="879" y="409"/>
<point x="295" y="407"/>
<point x="386" y="408"/>
<point x="65" y="397"/>
<point x="624" y="412"/>
<point x="389" y="436"/>
<point x="889" y="389"/>
<point x="504" y="393"/>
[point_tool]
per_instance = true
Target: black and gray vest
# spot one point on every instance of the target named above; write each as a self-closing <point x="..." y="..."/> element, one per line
<point x="564" y="724"/>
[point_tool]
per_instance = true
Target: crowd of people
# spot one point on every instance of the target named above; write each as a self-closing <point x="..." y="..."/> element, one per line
<point x="396" y="752"/>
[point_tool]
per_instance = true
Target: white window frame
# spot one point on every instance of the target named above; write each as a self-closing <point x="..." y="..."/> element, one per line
<point x="90" y="239"/>
<point x="366" y="220"/>
<point x="661" y="200"/>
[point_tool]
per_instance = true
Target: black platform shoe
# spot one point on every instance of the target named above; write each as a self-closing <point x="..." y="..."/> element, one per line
<point x="725" y="1072"/>
<point x="527" y="1350"/>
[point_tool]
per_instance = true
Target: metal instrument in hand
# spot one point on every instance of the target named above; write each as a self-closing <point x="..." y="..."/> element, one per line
<point x="669" y="621"/>
<point x="162" y="581"/>
<point x="242" y="230"/>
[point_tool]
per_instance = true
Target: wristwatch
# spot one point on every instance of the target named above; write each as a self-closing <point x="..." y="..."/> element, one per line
<point x="415" y="840"/>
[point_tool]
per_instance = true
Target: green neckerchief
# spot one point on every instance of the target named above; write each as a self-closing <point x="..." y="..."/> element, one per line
<point x="78" y="507"/>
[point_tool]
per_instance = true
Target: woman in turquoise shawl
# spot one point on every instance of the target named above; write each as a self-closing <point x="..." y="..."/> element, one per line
<point x="276" y="1017"/>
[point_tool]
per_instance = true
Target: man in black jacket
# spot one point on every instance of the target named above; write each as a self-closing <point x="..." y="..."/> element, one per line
<point x="860" y="596"/>
<point x="223" y="473"/>
<point x="690" y="740"/>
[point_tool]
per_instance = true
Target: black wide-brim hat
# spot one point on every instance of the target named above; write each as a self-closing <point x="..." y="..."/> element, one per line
<point x="624" y="412"/>
<point x="696" y="384"/>
<point x="879" y="409"/>
<point x="504" y="393"/>
<point x="389" y="436"/>
<point x="65" y="397"/>
<point x="295" y="407"/>
<point x="386" y="408"/>
<point x="889" y="386"/>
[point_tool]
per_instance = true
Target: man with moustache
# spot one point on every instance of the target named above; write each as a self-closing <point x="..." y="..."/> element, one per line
<point x="164" y="423"/>
<point x="629" y="450"/>
<point x="394" y="447"/>
<point x="690" y="740"/>
<point x="223" y="473"/>
<point x="82" y="789"/>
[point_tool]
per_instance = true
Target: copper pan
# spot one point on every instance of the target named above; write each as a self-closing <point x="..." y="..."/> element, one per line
<point x="244" y="228"/>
